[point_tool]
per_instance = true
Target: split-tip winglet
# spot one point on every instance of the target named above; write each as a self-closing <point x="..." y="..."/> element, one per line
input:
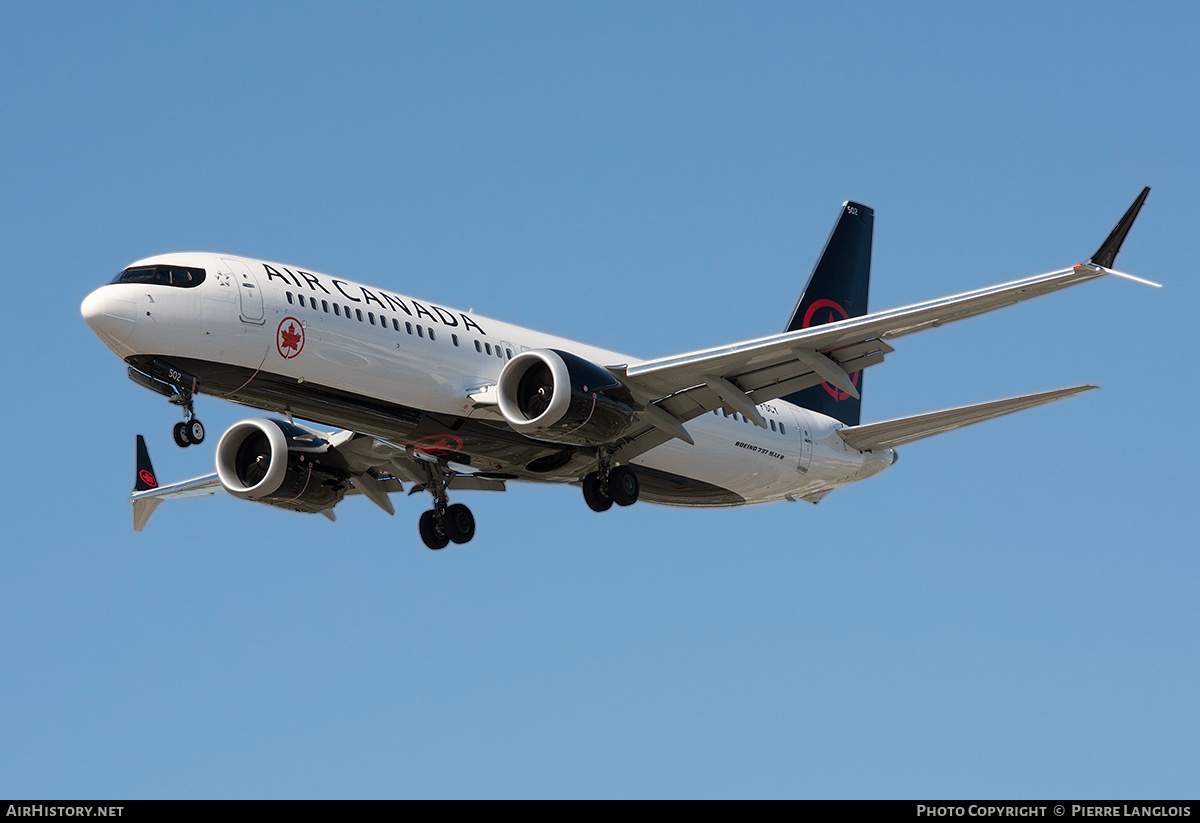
<point x="1134" y="278"/>
<point x="1106" y="255"/>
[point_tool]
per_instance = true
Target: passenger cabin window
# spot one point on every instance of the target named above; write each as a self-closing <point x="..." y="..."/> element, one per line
<point x="183" y="277"/>
<point x="478" y="347"/>
<point x="325" y="306"/>
<point x="454" y="339"/>
<point x="337" y="310"/>
<point x="358" y="314"/>
<point x="431" y="336"/>
<point x="302" y="300"/>
<point x="290" y="298"/>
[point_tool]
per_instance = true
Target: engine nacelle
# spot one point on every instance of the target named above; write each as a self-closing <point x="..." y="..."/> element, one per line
<point x="279" y="464"/>
<point x="552" y="395"/>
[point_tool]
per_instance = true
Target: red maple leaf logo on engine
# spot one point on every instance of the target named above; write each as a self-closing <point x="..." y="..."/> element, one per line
<point x="289" y="338"/>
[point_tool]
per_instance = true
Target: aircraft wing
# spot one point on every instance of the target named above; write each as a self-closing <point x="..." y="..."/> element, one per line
<point x="145" y="501"/>
<point x="739" y="376"/>
<point x="376" y="469"/>
<point x="674" y="390"/>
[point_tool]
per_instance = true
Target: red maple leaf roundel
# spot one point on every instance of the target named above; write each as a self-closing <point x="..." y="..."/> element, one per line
<point x="818" y="314"/>
<point x="437" y="445"/>
<point x="289" y="338"/>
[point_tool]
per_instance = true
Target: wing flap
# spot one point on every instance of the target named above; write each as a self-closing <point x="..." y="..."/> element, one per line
<point x="892" y="433"/>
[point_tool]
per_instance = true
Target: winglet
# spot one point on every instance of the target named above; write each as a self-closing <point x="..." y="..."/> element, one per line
<point x="144" y="478"/>
<point x="1107" y="253"/>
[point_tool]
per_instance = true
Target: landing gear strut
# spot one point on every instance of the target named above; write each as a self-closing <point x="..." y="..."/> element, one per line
<point x="178" y="387"/>
<point x="444" y="523"/>
<point x="609" y="484"/>
<point x="190" y="431"/>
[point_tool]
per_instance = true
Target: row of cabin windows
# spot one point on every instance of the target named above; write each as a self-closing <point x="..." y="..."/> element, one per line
<point x="357" y="314"/>
<point x="504" y="354"/>
<point x="736" y="416"/>
<point x="345" y="311"/>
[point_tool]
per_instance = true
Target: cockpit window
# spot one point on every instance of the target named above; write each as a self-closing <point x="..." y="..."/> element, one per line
<point x="183" y="277"/>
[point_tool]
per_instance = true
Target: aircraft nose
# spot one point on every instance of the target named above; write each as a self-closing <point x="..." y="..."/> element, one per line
<point x="110" y="317"/>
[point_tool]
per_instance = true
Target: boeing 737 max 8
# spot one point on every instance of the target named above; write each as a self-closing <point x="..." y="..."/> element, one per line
<point x="443" y="400"/>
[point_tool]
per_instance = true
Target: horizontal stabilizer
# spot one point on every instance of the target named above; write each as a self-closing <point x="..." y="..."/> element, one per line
<point x="907" y="429"/>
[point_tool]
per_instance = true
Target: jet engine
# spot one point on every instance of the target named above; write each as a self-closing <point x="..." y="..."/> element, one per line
<point x="553" y="395"/>
<point x="280" y="464"/>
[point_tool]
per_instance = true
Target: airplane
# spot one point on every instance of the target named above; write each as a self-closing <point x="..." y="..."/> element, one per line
<point x="442" y="400"/>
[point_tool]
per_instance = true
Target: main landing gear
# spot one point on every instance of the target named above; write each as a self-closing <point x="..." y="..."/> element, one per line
<point x="444" y="523"/>
<point x="610" y="484"/>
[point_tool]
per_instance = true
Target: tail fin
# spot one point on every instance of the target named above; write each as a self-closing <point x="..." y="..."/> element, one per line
<point x="837" y="290"/>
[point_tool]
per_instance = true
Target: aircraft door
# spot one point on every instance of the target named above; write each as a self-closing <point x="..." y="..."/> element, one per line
<point x="249" y="292"/>
<point x="804" y="432"/>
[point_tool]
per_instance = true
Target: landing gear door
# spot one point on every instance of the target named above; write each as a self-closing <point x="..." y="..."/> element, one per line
<point x="249" y="292"/>
<point x="804" y="432"/>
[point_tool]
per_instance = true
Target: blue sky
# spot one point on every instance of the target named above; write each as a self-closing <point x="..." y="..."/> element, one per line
<point x="1008" y="612"/>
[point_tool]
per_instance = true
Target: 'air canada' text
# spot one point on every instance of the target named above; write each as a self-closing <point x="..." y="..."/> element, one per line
<point x="361" y="294"/>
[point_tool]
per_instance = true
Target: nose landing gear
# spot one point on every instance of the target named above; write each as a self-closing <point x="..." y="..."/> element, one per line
<point x="178" y="387"/>
<point x="188" y="433"/>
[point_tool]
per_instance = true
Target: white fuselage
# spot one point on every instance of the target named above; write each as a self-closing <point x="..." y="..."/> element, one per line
<point x="418" y="355"/>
